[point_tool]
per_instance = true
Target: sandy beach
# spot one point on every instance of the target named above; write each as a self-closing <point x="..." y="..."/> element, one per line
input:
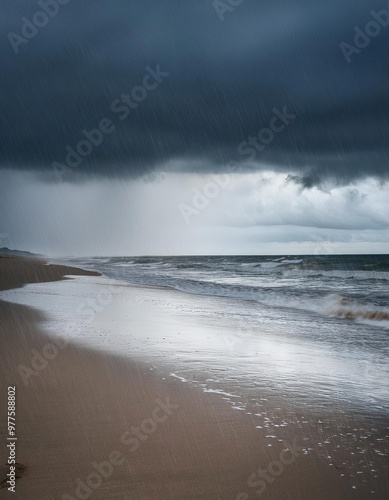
<point x="91" y="424"/>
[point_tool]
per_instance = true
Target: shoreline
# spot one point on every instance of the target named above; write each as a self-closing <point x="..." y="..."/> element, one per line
<point x="18" y="271"/>
<point x="94" y="415"/>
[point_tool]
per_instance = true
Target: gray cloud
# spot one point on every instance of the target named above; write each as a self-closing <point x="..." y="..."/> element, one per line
<point x="225" y="79"/>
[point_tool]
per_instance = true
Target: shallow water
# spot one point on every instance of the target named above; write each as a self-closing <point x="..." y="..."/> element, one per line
<point x="314" y="326"/>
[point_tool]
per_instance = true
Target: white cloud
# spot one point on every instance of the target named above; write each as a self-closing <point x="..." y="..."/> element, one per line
<point x="260" y="213"/>
<point x="271" y="199"/>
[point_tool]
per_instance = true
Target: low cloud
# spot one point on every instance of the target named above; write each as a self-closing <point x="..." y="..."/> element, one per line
<point x="260" y="213"/>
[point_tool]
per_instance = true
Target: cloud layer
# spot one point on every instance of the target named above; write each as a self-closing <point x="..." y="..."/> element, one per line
<point x="261" y="213"/>
<point x="225" y="79"/>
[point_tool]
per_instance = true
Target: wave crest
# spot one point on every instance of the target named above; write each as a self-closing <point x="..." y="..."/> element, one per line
<point x="340" y="306"/>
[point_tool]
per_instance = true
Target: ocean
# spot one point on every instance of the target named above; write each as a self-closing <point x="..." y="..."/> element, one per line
<point x="351" y="287"/>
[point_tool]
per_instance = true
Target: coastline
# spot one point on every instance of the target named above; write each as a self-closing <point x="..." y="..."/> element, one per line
<point x="87" y="408"/>
<point x="18" y="271"/>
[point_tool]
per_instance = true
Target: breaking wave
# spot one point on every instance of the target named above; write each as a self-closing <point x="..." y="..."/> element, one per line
<point x="340" y="306"/>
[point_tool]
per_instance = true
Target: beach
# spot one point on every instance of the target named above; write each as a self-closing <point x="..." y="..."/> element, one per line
<point x="107" y="422"/>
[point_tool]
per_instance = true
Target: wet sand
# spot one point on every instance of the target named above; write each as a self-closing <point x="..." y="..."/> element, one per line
<point x="94" y="425"/>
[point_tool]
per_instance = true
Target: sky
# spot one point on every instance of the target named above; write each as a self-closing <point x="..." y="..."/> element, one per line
<point x="208" y="127"/>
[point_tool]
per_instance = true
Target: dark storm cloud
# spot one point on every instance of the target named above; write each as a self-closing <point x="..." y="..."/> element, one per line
<point x="225" y="79"/>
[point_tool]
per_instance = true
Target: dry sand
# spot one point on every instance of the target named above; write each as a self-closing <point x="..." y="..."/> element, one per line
<point x="80" y="408"/>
